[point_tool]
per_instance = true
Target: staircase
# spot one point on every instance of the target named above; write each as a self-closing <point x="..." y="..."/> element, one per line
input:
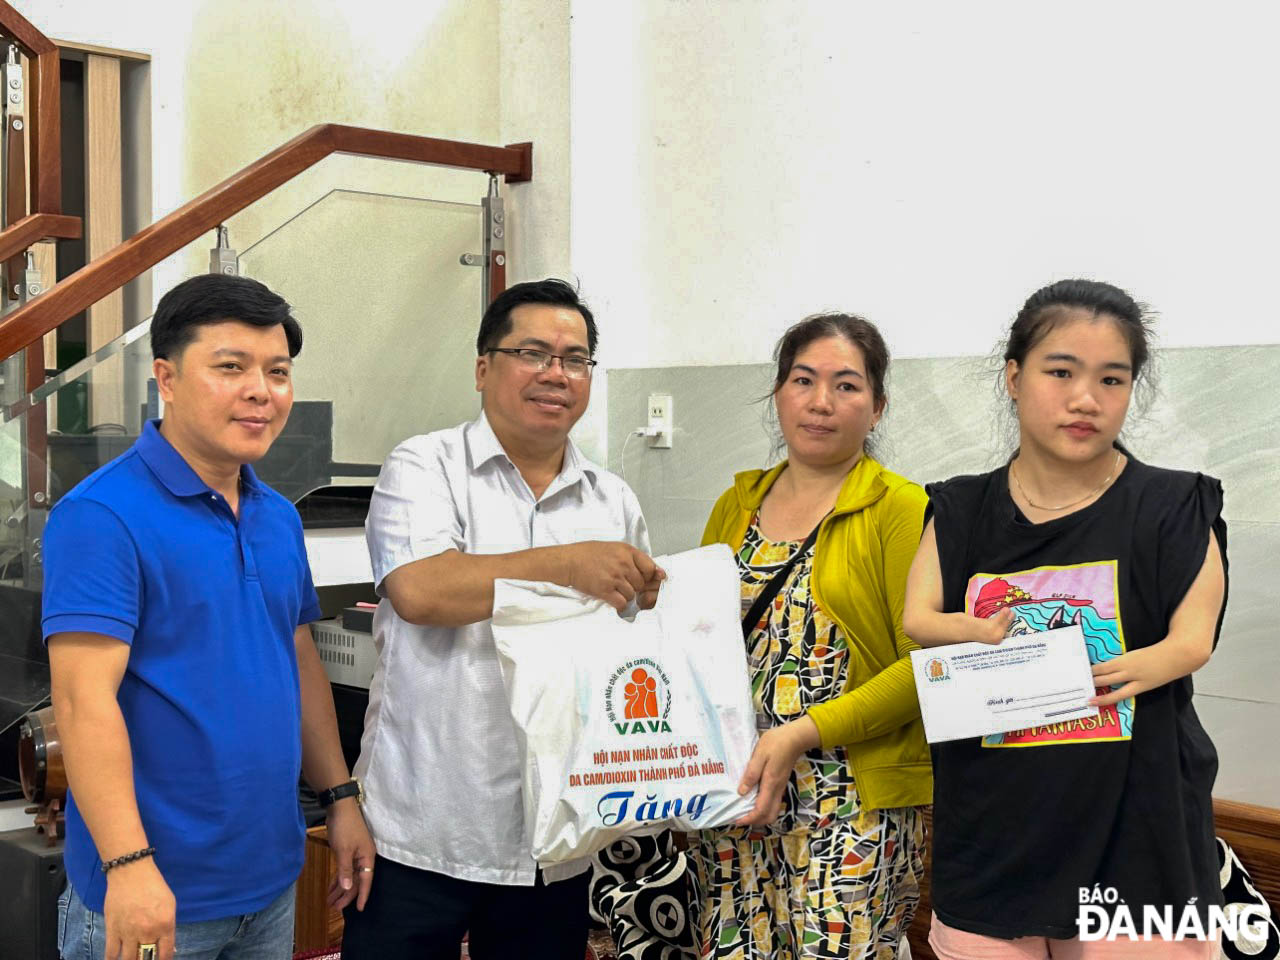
<point x="388" y="290"/>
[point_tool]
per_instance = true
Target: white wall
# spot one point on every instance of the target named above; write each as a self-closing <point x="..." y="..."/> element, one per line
<point x="711" y="170"/>
<point x="534" y="106"/>
<point x="714" y="169"/>
<point x="737" y="165"/>
<point x="232" y="79"/>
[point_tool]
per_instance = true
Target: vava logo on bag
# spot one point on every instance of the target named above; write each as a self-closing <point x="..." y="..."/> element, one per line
<point x="643" y="690"/>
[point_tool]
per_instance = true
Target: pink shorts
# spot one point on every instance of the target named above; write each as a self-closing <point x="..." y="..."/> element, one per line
<point x="952" y="944"/>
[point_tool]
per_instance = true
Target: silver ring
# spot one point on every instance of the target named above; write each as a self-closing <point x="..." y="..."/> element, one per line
<point x="146" y="951"/>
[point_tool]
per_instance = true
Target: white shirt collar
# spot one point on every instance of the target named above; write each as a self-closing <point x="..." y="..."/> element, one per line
<point x="483" y="445"/>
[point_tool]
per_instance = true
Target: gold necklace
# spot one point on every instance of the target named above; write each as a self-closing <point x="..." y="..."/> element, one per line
<point x="1092" y="493"/>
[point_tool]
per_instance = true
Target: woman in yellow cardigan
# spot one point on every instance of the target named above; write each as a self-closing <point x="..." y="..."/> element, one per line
<point x="828" y="862"/>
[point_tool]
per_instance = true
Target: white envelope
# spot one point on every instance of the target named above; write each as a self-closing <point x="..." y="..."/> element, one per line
<point x="977" y="689"/>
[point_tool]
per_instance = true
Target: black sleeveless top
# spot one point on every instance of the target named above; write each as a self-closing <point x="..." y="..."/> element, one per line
<point x="1024" y="820"/>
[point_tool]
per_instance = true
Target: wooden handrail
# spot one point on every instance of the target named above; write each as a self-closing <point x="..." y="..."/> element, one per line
<point x="46" y="124"/>
<point x="165" y="237"/>
<point x="33" y="228"/>
<point x="25" y="35"/>
<point x="35" y="207"/>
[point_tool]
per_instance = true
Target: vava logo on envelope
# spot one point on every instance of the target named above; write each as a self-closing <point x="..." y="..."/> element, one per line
<point x="642" y="688"/>
<point x="935" y="670"/>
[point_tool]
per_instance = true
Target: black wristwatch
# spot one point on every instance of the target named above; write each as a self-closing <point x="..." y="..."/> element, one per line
<point x="351" y="788"/>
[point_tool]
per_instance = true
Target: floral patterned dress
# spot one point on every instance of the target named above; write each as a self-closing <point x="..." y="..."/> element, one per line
<point x="826" y="879"/>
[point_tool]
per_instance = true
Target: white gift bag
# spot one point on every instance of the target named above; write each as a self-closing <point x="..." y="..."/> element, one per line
<point x="628" y="727"/>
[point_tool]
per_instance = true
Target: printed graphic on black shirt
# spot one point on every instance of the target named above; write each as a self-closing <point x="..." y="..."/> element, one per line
<point x="1044" y="598"/>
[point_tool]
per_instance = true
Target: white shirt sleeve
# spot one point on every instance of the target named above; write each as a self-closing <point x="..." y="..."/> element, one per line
<point x="637" y="529"/>
<point x="412" y="514"/>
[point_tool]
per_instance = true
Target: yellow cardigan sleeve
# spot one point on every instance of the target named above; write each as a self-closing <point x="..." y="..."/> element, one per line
<point x="718" y="526"/>
<point x="888" y="700"/>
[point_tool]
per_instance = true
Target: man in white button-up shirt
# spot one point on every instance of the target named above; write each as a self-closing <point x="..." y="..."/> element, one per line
<point x="507" y="495"/>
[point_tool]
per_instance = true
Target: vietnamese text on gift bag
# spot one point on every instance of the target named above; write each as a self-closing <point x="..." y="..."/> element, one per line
<point x="628" y="727"/>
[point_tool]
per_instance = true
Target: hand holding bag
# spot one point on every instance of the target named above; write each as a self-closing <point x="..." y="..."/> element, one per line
<point x="628" y="727"/>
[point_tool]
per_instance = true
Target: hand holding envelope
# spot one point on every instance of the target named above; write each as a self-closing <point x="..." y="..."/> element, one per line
<point x="977" y="689"/>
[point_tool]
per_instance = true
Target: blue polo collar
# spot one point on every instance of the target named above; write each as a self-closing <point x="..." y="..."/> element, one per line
<point x="174" y="472"/>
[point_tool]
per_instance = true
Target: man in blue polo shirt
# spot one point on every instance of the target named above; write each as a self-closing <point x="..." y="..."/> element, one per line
<point x="186" y="686"/>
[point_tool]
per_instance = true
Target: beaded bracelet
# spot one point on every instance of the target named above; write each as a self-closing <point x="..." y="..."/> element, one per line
<point x="128" y="858"/>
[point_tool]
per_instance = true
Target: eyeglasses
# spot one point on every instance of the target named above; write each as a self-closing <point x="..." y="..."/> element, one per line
<point x="574" y="367"/>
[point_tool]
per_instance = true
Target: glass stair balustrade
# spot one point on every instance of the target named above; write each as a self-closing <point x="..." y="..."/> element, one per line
<point x="389" y="314"/>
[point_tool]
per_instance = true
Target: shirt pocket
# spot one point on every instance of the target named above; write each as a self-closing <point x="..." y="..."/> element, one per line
<point x="582" y="522"/>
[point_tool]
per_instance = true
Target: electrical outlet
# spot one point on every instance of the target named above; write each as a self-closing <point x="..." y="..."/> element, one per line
<point x="661" y="420"/>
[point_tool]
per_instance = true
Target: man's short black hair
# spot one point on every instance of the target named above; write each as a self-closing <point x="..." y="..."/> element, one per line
<point x="496" y="322"/>
<point x="217" y="298"/>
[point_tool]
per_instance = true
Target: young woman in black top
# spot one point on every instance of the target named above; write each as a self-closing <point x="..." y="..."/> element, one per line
<point x="1113" y="811"/>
